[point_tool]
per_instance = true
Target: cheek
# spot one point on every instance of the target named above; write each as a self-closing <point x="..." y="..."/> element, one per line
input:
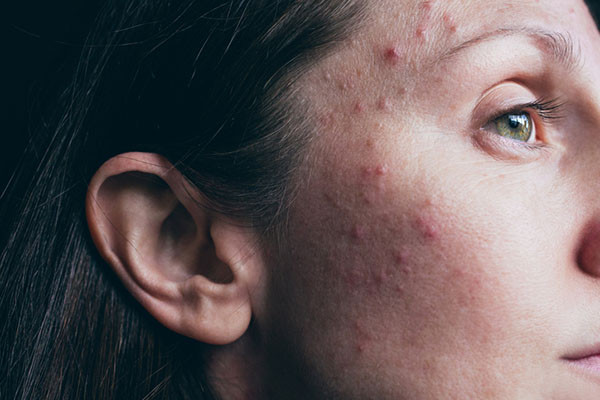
<point x="380" y="244"/>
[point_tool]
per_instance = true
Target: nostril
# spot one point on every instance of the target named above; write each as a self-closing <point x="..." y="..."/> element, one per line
<point x="588" y="256"/>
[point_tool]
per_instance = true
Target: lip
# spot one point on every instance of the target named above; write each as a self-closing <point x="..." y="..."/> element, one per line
<point x="586" y="360"/>
<point x="584" y="353"/>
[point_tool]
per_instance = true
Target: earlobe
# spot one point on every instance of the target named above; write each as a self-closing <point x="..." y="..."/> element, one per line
<point x="192" y="270"/>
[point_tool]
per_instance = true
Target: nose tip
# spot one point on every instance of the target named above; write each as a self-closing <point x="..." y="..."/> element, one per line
<point x="588" y="256"/>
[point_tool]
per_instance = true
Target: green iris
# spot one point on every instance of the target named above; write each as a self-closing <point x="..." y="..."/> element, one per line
<point x="515" y="126"/>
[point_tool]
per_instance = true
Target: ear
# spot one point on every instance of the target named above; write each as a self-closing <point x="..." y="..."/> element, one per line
<point x="195" y="272"/>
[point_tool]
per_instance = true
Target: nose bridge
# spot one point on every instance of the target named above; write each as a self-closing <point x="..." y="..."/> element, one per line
<point x="586" y="160"/>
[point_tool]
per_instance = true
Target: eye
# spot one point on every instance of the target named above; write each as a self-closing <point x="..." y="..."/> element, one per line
<point x="517" y="126"/>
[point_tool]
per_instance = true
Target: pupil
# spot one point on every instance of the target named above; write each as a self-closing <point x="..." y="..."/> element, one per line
<point x="514" y="121"/>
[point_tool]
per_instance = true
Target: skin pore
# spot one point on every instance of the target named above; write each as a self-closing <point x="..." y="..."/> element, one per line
<point x="428" y="256"/>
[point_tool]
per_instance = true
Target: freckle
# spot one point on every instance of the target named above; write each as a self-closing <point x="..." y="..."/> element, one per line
<point x="392" y="56"/>
<point x="401" y="91"/>
<point x="379" y="126"/>
<point x="384" y="104"/>
<point x="369" y="143"/>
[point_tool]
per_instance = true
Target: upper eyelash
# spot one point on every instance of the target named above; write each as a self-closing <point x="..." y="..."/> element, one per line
<point x="549" y="110"/>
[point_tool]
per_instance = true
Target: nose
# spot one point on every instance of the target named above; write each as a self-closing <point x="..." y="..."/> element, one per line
<point x="588" y="256"/>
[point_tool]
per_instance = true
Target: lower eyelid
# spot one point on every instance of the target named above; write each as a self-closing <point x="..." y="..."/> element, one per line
<point x="505" y="149"/>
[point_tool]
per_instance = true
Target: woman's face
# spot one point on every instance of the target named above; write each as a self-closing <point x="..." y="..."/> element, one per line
<point x="445" y="243"/>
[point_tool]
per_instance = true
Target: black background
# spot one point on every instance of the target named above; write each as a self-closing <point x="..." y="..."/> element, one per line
<point x="39" y="40"/>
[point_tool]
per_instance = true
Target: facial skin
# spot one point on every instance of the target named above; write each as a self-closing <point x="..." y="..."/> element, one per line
<point x="427" y="256"/>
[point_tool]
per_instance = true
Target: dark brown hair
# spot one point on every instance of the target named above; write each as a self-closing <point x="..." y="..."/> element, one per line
<point x="208" y="84"/>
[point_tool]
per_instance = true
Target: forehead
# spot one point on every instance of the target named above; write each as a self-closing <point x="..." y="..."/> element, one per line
<point x="402" y="40"/>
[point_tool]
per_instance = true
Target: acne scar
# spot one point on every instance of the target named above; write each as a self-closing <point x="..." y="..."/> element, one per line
<point x="358" y="108"/>
<point x="362" y="337"/>
<point x="383" y="275"/>
<point x="381" y="170"/>
<point x="449" y="23"/>
<point x="326" y="120"/>
<point x="384" y="104"/>
<point x="355" y="277"/>
<point x="401" y="257"/>
<point x="345" y="84"/>
<point x="331" y="200"/>
<point x="399" y="289"/>
<point x="376" y="171"/>
<point x="427" y="227"/>
<point x="358" y="232"/>
<point x="426" y="5"/>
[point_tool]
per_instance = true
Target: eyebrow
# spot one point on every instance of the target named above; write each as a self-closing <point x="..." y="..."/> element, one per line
<point x="558" y="46"/>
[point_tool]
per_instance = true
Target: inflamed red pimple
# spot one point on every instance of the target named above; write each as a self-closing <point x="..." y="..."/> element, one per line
<point x="392" y="55"/>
